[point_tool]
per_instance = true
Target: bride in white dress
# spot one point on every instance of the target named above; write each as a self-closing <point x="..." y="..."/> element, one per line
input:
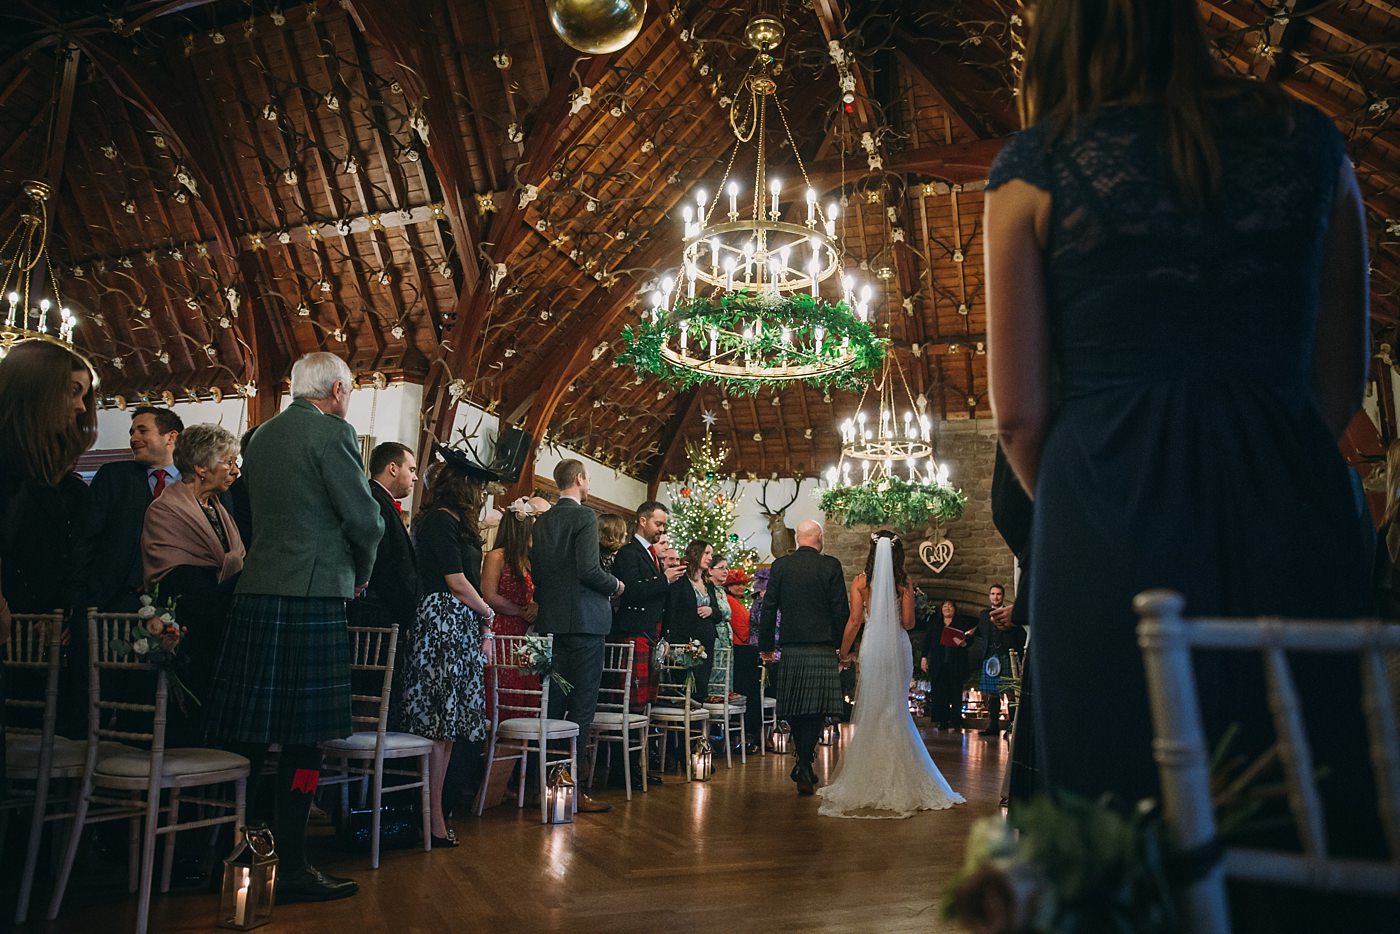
<point x="885" y="770"/>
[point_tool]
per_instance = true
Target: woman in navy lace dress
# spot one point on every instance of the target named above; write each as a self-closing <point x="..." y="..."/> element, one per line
<point x="1177" y="314"/>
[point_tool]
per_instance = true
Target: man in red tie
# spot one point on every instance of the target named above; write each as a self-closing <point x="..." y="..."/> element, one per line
<point x="111" y="543"/>
<point x="640" y="610"/>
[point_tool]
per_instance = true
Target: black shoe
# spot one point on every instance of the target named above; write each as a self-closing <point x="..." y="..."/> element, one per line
<point x="313" y="885"/>
<point x="796" y="772"/>
<point x="447" y="842"/>
<point x="806" y="781"/>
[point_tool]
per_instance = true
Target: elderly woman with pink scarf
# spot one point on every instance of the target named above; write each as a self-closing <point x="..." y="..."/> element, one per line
<point x="191" y="556"/>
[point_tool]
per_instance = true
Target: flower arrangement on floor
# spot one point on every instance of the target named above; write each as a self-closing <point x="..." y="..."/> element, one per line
<point x="893" y="502"/>
<point x="688" y="655"/>
<point x="536" y="657"/>
<point x="155" y="641"/>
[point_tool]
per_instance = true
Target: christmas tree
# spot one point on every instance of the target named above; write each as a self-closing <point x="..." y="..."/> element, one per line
<point x="701" y="507"/>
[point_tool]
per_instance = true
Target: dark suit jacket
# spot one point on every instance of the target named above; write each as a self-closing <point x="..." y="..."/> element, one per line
<point x="318" y="526"/>
<point x="392" y="596"/>
<point x="571" y="587"/>
<point x="643" y="605"/>
<point x="111" y="542"/>
<point x="809" y="589"/>
<point x="932" y="645"/>
<point x="1013" y="638"/>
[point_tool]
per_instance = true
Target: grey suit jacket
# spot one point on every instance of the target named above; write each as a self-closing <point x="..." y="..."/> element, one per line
<point x="318" y="525"/>
<point x="571" y="587"/>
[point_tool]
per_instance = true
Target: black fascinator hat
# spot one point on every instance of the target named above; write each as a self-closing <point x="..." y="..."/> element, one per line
<point x="462" y="462"/>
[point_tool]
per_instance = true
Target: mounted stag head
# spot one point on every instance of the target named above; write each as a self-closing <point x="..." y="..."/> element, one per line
<point x="784" y="541"/>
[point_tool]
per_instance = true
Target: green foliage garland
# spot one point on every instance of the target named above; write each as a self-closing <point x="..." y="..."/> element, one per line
<point x="731" y="313"/>
<point x="892" y="501"/>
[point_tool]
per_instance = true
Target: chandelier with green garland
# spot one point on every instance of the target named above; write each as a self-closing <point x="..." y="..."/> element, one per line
<point x="879" y="445"/>
<point x="748" y="308"/>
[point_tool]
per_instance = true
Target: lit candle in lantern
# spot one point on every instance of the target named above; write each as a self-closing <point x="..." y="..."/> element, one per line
<point x="240" y="901"/>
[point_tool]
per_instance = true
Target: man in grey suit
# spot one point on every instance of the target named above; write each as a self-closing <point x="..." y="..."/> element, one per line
<point x="283" y="674"/>
<point x="574" y="595"/>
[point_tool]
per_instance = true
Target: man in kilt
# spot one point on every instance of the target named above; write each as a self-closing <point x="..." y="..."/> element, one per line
<point x="283" y="674"/>
<point x="809" y="590"/>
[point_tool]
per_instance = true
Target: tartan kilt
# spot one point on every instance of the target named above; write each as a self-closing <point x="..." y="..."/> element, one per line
<point x="807" y="681"/>
<point x="643" y="679"/>
<point x="283" y="674"/>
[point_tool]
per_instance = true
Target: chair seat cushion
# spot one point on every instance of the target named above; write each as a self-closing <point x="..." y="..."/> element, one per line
<point x="731" y="707"/>
<point x="678" y="713"/>
<point x="530" y="726"/>
<point x="363" y="743"/>
<point x="613" y="718"/>
<point x="178" y="763"/>
<point x="22" y="753"/>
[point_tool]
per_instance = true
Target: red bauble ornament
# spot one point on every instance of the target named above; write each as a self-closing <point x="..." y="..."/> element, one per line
<point x="685" y="491"/>
<point x="720" y="499"/>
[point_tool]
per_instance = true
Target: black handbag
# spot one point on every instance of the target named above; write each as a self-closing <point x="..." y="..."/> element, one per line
<point x="399" y="829"/>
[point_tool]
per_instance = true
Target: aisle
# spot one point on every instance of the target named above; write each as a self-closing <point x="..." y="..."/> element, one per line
<point x="741" y="853"/>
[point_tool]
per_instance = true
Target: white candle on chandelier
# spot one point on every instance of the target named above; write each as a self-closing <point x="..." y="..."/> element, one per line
<point x="787" y="337"/>
<point x="932" y="471"/>
<point x="729" y="273"/>
<point x="884" y="422"/>
<point x="44" y="306"/>
<point x="685" y="335"/>
<point x="689" y="214"/>
<point x="748" y="340"/>
<point x="909" y="424"/>
<point x="65" y="327"/>
<point x="845" y="472"/>
<point x="667" y="284"/>
<point x="813" y="268"/>
<point x="714" y="342"/>
<point x="831" y="476"/>
<point x="831" y="219"/>
<point x="923" y="425"/>
<point x="847" y="284"/>
<point x="774" y="187"/>
<point x="702" y="198"/>
<point x="14" y="300"/>
<point x="748" y="258"/>
<point x="714" y="254"/>
<point x="811" y="206"/>
<point x="821" y="335"/>
<point x="909" y="463"/>
<point x="733" y="199"/>
<point x="865" y="471"/>
<point x="690" y="283"/>
<point x="656" y="299"/>
<point x="847" y="431"/>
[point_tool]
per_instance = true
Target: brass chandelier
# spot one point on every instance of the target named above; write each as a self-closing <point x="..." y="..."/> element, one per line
<point x="747" y="307"/>
<point x="29" y="311"/>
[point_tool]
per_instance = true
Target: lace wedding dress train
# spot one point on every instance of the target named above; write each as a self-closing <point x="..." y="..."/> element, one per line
<point x="885" y="770"/>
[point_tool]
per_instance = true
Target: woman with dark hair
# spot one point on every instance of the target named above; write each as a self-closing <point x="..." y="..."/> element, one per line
<point x="945" y="661"/>
<point x="507" y="586"/>
<point x="691" y="610"/>
<point x="1177" y="318"/>
<point x="48" y="418"/>
<point x="444" y="686"/>
<point x="885" y="770"/>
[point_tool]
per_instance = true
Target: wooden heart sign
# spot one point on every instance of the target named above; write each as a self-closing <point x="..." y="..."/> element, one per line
<point x="936" y="554"/>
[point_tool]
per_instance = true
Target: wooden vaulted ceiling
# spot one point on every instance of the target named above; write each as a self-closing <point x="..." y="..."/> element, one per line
<point x="443" y="191"/>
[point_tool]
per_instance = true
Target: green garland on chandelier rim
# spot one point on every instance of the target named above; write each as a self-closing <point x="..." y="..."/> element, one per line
<point x="893" y="501"/>
<point x="801" y="314"/>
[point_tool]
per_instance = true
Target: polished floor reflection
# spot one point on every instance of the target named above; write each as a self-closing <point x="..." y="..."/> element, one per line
<point x="740" y="853"/>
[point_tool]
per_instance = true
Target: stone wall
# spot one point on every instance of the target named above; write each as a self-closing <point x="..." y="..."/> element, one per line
<point x="980" y="557"/>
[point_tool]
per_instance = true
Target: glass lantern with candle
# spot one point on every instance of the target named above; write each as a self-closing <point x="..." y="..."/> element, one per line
<point x="559" y="795"/>
<point x="250" y="881"/>
<point x="702" y="761"/>
<point x="780" y="741"/>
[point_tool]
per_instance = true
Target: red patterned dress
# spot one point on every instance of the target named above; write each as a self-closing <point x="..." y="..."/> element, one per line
<point x="521" y="593"/>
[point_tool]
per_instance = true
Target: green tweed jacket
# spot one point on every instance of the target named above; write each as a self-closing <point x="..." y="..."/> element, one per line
<point x="316" y="525"/>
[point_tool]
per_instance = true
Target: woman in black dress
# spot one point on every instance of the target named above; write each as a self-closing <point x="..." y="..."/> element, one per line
<point x="691" y="611"/>
<point x="1177" y="314"/>
<point x="48" y="418"/>
<point x="444" y="684"/>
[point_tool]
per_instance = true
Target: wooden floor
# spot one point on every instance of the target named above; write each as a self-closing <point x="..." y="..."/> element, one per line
<point x="740" y="853"/>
